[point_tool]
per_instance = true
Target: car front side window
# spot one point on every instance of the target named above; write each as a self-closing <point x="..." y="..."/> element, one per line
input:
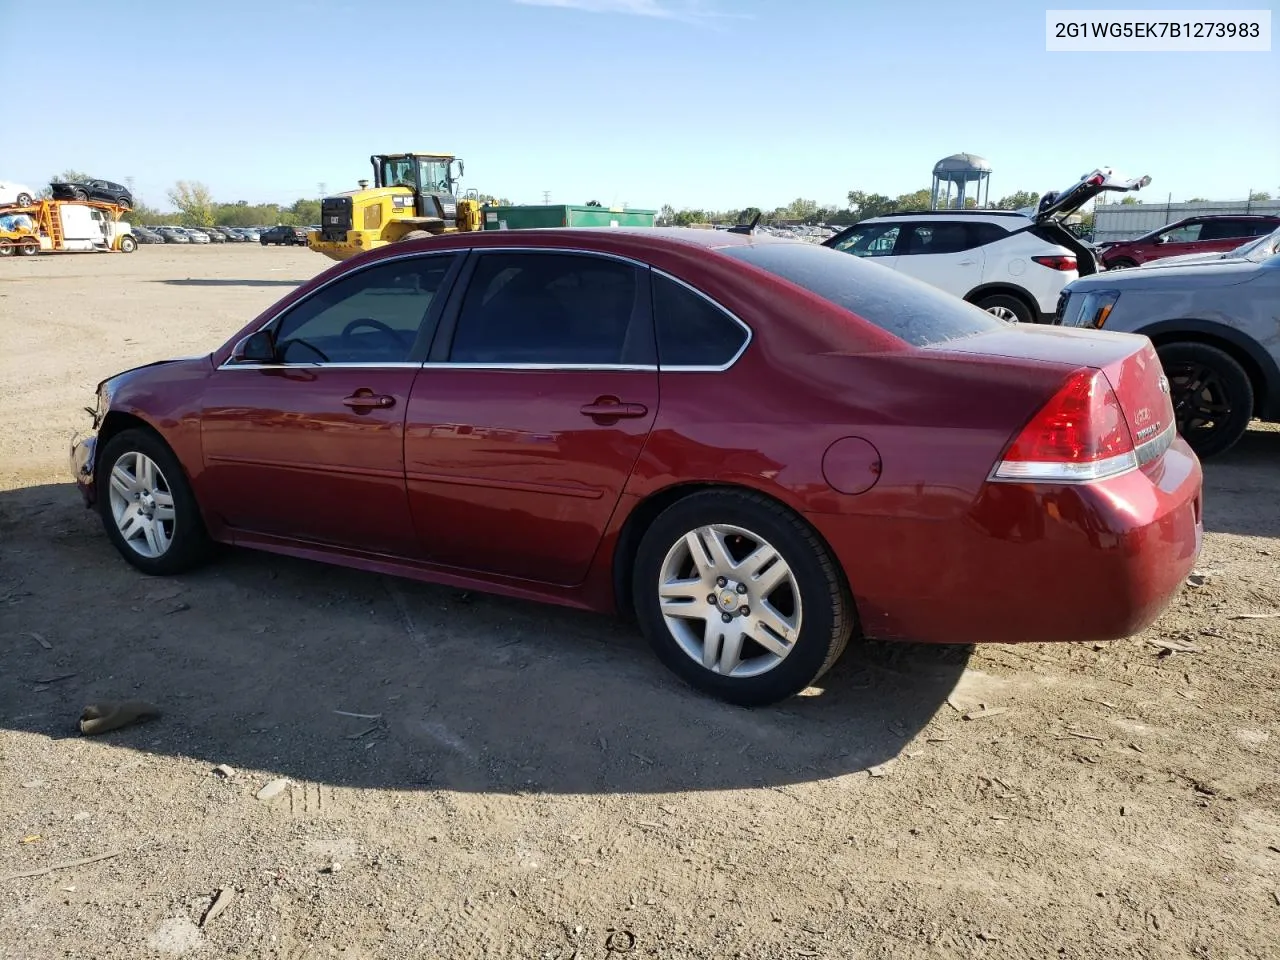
<point x="1187" y="233"/>
<point x="553" y="309"/>
<point x="873" y="240"/>
<point x="376" y="315"/>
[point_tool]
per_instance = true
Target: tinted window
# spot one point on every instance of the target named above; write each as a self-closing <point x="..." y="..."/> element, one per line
<point x="552" y="308"/>
<point x="692" y="331"/>
<point x="1230" y="229"/>
<point x="372" y="316"/>
<point x="869" y="240"/>
<point x="913" y="311"/>
<point x="939" y="237"/>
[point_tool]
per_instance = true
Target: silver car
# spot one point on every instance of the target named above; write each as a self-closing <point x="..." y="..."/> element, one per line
<point x="1216" y="328"/>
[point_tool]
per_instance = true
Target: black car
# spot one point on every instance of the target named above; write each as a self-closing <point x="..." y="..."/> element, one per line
<point x="283" y="235"/>
<point x="145" y="234"/>
<point x="103" y="190"/>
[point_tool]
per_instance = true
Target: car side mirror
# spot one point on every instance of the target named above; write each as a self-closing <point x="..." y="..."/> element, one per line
<point x="1162" y="240"/>
<point x="255" y="348"/>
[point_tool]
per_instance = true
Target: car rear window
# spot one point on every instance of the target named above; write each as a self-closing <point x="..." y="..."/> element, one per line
<point x="910" y="310"/>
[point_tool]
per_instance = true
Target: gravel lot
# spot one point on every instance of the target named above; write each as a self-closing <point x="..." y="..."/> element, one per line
<point x="529" y="782"/>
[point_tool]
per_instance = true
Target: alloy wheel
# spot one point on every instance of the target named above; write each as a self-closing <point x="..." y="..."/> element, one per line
<point x="730" y="600"/>
<point x="142" y="505"/>
<point x="1003" y="313"/>
<point x="1201" y="406"/>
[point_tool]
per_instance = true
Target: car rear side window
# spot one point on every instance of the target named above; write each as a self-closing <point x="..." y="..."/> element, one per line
<point x="910" y="310"/>
<point x="553" y="309"/>
<point x="692" y="331"/>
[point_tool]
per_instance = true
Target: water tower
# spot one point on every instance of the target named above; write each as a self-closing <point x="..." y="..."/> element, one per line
<point x="970" y="175"/>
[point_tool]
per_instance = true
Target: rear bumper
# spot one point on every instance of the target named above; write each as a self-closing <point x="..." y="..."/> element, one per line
<point x="1030" y="563"/>
<point x="83" y="457"/>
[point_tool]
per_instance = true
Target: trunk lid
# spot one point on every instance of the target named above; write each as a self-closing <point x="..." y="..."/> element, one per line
<point x="1128" y="361"/>
<point x="1059" y="204"/>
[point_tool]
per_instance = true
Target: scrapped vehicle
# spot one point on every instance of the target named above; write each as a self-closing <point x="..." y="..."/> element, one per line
<point x="754" y="444"/>
<point x="1209" y="234"/>
<point x="284" y="236"/>
<point x="1264" y="246"/>
<point x="104" y="190"/>
<point x="1216" y="330"/>
<point x="1010" y="263"/>
<point x="16" y="194"/>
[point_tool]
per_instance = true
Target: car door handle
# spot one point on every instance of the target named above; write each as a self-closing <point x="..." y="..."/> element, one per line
<point x="369" y="401"/>
<point x="612" y="408"/>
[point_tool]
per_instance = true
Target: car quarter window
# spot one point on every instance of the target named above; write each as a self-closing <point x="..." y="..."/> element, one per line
<point x="374" y="315"/>
<point x="692" y="331"/>
<point x="557" y="309"/>
<point x="869" y="240"/>
<point x="1226" y="229"/>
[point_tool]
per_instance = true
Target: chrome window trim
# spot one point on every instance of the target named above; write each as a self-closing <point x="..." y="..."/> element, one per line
<point x="620" y="367"/>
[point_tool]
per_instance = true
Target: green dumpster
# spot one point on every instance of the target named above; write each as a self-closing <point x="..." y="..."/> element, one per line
<point x="564" y="215"/>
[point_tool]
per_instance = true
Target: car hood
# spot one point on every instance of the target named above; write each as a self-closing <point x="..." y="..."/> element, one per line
<point x="1179" y="276"/>
<point x="1183" y="258"/>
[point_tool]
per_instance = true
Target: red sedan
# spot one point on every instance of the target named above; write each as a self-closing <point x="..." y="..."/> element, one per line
<point x="762" y="447"/>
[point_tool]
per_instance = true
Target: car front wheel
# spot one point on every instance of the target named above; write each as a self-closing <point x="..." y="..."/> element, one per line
<point x="739" y="597"/>
<point x="24" y="199"/>
<point x="147" y="505"/>
<point x="1211" y="393"/>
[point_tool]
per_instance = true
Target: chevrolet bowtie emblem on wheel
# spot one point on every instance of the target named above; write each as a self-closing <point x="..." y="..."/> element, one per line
<point x="1164" y="383"/>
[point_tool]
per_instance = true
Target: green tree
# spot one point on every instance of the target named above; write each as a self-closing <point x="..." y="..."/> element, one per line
<point x="667" y="215"/>
<point x="747" y="214"/>
<point x="194" y="203"/>
<point x="685" y="217"/>
<point x="866" y="205"/>
<point x="1131" y="202"/>
<point x="800" y="209"/>
<point x="1259" y="196"/>
<point x="912" y="202"/>
<point x="1017" y="200"/>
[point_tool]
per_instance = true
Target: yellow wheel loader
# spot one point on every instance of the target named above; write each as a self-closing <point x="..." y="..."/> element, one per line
<point x="413" y="195"/>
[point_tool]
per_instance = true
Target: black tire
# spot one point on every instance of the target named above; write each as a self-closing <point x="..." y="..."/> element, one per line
<point x="24" y="200"/>
<point x="6" y="248"/>
<point x="263" y="240"/>
<point x="1004" y="304"/>
<point x="1212" y="396"/>
<point x="79" y="195"/>
<point x="189" y="545"/>
<point x="128" y="244"/>
<point x="827" y="610"/>
<point x="1121" y="263"/>
<point x="28" y="249"/>
<point x="124" y="202"/>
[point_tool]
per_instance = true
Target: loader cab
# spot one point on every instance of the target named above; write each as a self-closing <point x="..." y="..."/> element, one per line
<point x="433" y="178"/>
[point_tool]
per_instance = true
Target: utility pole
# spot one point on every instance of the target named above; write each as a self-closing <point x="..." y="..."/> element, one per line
<point x="322" y="186"/>
<point x="546" y="197"/>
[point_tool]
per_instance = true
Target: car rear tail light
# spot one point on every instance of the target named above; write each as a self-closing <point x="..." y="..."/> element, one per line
<point x="1080" y="435"/>
<point x="1096" y="180"/>
<point x="1057" y="263"/>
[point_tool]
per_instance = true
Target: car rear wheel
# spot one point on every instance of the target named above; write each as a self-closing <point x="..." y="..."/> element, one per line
<point x="147" y="506"/>
<point x="1007" y="307"/>
<point x="79" y="195"/>
<point x="739" y="597"/>
<point x="1122" y="263"/>
<point x="24" y="199"/>
<point x="1212" y="396"/>
<point x="6" y="248"/>
<point x="29" y="249"/>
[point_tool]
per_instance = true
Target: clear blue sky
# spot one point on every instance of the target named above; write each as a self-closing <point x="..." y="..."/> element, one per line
<point x="712" y="103"/>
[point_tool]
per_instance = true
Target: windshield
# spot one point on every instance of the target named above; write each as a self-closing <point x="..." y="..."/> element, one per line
<point x="435" y="176"/>
<point x="1257" y="249"/>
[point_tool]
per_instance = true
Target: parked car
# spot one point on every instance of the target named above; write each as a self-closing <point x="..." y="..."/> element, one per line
<point x="104" y="190"/>
<point x="1214" y="325"/>
<point x="1011" y="264"/>
<point x="231" y="234"/>
<point x="173" y="234"/>
<point x="1265" y="245"/>
<point x="249" y="234"/>
<point x="284" y="236"/>
<point x="16" y="193"/>
<point x="754" y="444"/>
<point x="146" y="235"/>
<point x="1215" y="234"/>
<point x="196" y="236"/>
<point x="213" y="233"/>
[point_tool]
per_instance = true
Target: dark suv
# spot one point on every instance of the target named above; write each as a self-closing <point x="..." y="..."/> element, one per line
<point x="284" y="236"/>
<point x="1215" y="234"/>
<point x="103" y="190"/>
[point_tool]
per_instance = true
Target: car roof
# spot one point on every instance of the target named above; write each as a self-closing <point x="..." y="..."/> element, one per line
<point x="635" y="239"/>
<point x="949" y="213"/>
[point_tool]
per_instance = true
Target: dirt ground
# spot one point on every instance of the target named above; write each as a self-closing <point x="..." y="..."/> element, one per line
<point x="477" y="777"/>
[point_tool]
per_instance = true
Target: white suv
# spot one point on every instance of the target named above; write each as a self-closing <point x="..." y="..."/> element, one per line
<point x="1011" y="264"/>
